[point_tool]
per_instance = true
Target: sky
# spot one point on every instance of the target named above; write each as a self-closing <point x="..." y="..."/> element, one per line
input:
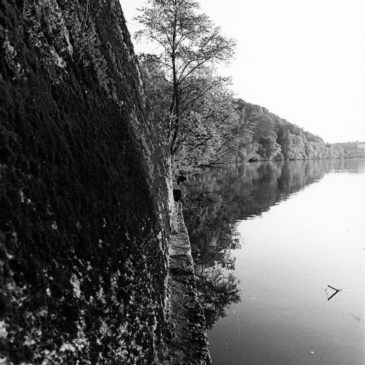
<point x="304" y="60"/>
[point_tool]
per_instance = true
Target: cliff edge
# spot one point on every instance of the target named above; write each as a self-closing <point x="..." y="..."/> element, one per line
<point x="85" y="193"/>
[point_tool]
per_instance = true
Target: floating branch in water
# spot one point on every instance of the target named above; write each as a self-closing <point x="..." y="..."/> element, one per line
<point x="332" y="295"/>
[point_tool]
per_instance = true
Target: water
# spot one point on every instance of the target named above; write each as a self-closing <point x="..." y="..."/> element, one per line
<point x="268" y="239"/>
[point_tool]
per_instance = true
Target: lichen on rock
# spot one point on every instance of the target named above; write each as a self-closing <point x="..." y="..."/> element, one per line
<point x="84" y="191"/>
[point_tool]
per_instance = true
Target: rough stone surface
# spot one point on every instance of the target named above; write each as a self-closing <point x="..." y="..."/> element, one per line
<point x="188" y="343"/>
<point x="85" y="197"/>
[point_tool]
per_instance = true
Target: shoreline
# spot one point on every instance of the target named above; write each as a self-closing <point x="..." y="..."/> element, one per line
<point x="188" y="341"/>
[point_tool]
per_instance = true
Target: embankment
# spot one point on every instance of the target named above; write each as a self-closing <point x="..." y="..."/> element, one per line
<point x="85" y="195"/>
<point x="189" y="342"/>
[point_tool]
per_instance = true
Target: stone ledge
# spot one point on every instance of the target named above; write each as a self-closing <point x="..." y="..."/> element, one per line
<point x="188" y="344"/>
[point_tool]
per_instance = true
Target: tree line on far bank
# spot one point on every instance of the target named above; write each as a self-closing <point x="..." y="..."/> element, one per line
<point x="266" y="136"/>
<point x="199" y="119"/>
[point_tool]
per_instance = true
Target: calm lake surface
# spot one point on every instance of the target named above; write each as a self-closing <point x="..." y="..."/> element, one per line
<point x="268" y="239"/>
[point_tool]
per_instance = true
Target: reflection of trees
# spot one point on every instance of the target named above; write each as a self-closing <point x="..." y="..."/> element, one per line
<point x="217" y="199"/>
<point x="217" y="289"/>
<point x="210" y="228"/>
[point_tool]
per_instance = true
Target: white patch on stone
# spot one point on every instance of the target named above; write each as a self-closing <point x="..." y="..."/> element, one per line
<point x="75" y="282"/>
<point x="103" y="329"/>
<point x="100" y="295"/>
<point x="29" y="342"/>
<point x="8" y="256"/>
<point x="3" y="331"/>
<point x="21" y="196"/>
<point x="11" y="54"/>
<point x="54" y="226"/>
<point x="59" y="61"/>
<point x="69" y="45"/>
<point x="67" y="347"/>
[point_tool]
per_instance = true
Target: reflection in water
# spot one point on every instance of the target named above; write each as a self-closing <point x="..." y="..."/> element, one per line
<point x="217" y="199"/>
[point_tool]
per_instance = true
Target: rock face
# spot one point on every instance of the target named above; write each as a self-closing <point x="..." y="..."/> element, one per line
<point x="84" y="220"/>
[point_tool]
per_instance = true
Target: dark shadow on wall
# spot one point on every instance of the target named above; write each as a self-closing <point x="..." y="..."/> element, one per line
<point x="81" y="268"/>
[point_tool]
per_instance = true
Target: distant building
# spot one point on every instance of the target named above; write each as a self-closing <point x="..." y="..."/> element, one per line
<point x="354" y="149"/>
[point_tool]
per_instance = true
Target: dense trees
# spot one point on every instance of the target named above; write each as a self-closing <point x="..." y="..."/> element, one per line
<point x="200" y="121"/>
<point x="269" y="137"/>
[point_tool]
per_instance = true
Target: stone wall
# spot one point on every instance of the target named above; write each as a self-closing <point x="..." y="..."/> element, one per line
<point x="84" y="220"/>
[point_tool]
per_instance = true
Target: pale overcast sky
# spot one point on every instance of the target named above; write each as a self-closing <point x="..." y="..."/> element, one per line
<point x="304" y="60"/>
